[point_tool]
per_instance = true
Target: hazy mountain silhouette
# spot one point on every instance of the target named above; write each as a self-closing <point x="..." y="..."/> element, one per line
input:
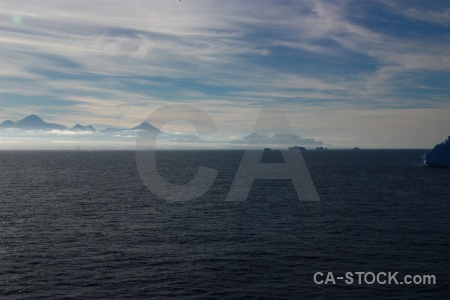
<point x="8" y="124"/>
<point x="35" y="123"/>
<point x="146" y="126"/>
<point x="278" y="138"/>
<point x="32" y="122"/>
<point x="79" y="127"/>
<point x="112" y="130"/>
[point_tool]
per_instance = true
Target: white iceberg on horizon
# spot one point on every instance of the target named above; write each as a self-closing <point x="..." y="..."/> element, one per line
<point x="439" y="156"/>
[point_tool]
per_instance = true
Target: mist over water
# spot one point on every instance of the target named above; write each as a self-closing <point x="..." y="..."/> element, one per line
<point x="81" y="224"/>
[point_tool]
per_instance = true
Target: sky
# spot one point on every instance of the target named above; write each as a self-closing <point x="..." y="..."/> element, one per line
<point x="372" y="74"/>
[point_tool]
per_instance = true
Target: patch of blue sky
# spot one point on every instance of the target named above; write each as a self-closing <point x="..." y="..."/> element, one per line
<point x="296" y="61"/>
<point x="53" y="60"/>
<point x="309" y="101"/>
<point x="176" y="88"/>
<point x="439" y="81"/>
<point x="430" y="85"/>
<point x="420" y="98"/>
<point x="379" y="18"/>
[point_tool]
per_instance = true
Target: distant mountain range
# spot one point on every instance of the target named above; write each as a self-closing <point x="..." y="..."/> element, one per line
<point x="33" y="122"/>
<point x="278" y="138"/>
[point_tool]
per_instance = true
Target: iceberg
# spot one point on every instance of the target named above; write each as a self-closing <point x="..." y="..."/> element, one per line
<point x="439" y="156"/>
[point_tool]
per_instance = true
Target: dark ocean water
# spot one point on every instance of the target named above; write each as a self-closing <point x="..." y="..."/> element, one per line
<point x="81" y="225"/>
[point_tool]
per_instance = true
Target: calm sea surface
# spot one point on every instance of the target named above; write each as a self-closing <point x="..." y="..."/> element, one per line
<point x="82" y="225"/>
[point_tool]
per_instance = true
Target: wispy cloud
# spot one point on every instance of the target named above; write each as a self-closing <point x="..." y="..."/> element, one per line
<point x="114" y="63"/>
